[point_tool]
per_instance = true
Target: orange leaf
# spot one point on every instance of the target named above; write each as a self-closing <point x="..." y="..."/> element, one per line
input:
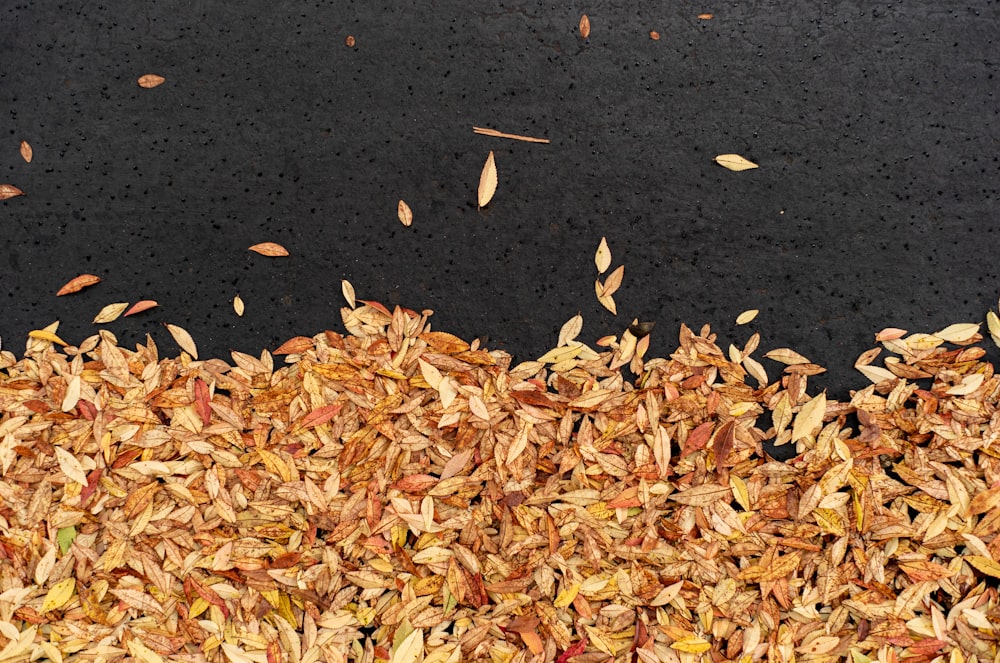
<point x="150" y="81"/>
<point x="26" y="152"/>
<point x="584" y="26"/>
<point x="350" y="41"/>
<point x="141" y="306"/>
<point x="77" y="284"/>
<point x="269" y="249"/>
<point x="201" y="401"/>
<point x="377" y="306"/>
<point x="295" y="345"/>
<point x="705" y="17"/>
<point x="698" y="438"/>
<point x="10" y="191"/>
<point x="320" y="415"/>
<point x="654" y="35"/>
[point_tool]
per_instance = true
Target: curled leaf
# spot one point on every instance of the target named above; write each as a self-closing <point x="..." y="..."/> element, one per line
<point x="26" y="152"/>
<point x="78" y="283"/>
<point x="46" y="335"/>
<point x="150" y="81"/>
<point x="183" y="339"/>
<point x="585" y="26"/>
<point x="405" y="214"/>
<point x="139" y="307"/>
<point x="654" y="35"/>
<point x="269" y="249"/>
<point x="603" y="256"/>
<point x="11" y="191"/>
<point x="734" y="162"/>
<point x="110" y="313"/>
<point x="238" y="305"/>
<point x="487" y="181"/>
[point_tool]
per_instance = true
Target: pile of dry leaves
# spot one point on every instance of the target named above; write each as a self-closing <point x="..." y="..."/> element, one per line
<point x="399" y="494"/>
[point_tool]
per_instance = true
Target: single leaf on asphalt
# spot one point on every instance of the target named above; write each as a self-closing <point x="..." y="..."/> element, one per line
<point x="9" y="191"/>
<point x="603" y="256"/>
<point x="110" y="313"/>
<point x="746" y="316"/>
<point x="706" y="17"/>
<point x="26" y="152"/>
<point x="350" y="41"/>
<point x="269" y="249"/>
<point x="78" y="283"/>
<point x="613" y="282"/>
<point x="238" y="305"/>
<point x="405" y="214"/>
<point x="488" y="181"/>
<point x="150" y="80"/>
<point x="140" y="306"/>
<point x="348" y="291"/>
<point x="585" y="26"/>
<point x="734" y="162"/>
<point x="183" y="339"/>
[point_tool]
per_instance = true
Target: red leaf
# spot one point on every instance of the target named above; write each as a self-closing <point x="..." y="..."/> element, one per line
<point x="698" y="438"/>
<point x="573" y="650"/>
<point x="201" y="401"/>
<point x="206" y="593"/>
<point x="92" y="480"/>
<point x="723" y="444"/>
<point x="320" y="415"/>
<point x="139" y="307"/>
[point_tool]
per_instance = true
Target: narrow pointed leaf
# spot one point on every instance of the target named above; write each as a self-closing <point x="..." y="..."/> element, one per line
<point x="734" y="162"/>
<point x="26" y="151"/>
<point x="140" y="306"/>
<point x="11" y="191"/>
<point x="487" y="181"/>
<point x="77" y="284"/>
<point x="348" y="291"/>
<point x="183" y="339"/>
<point x="110" y="313"/>
<point x="585" y="26"/>
<point x="746" y="316"/>
<point x="269" y="249"/>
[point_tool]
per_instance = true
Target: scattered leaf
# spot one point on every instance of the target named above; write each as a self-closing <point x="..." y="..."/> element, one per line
<point x="746" y="316"/>
<point x="500" y="134"/>
<point x="734" y="162"/>
<point x="150" y="81"/>
<point x="786" y="356"/>
<point x="46" y="335"/>
<point x="183" y="339"/>
<point x="603" y="256"/>
<point x="110" y="313"/>
<point x="613" y="282"/>
<point x="654" y="35"/>
<point x="405" y="214"/>
<point x="706" y="17"/>
<point x="348" y="291"/>
<point x="487" y="181"/>
<point x="809" y="418"/>
<point x="269" y="249"/>
<point x="585" y="26"/>
<point x="350" y="41"/>
<point x="570" y="330"/>
<point x="78" y="283"/>
<point x="9" y="191"/>
<point x="26" y="151"/>
<point x="958" y="333"/>
<point x="238" y="305"/>
<point x="140" y="306"/>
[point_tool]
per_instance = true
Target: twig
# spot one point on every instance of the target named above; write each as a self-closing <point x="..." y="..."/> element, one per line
<point x="500" y="134"/>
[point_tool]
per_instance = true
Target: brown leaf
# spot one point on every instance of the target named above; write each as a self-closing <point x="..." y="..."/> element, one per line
<point x="9" y="191"/>
<point x="705" y="17"/>
<point x="269" y="249"/>
<point x="201" y="401"/>
<point x="78" y="283"/>
<point x="150" y="81"/>
<point x="26" y="151"/>
<point x="487" y="181"/>
<point x="585" y="26"/>
<point x="404" y="213"/>
<point x="140" y="306"/>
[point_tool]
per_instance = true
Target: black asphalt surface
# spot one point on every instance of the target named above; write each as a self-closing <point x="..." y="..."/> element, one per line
<point x="875" y="125"/>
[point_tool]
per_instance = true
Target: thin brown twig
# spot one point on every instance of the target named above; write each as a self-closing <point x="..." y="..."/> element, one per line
<point x="501" y="134"/>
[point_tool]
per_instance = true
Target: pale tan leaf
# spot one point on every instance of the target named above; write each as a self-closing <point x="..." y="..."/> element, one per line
<point x="613" y="282"/>
<point x="150" y="80"/>
<point x="786" y="356"/>
<point x="570" y="330"/>
<point x="603" y="256"/>
<point x="958" y="332"/>
<point x="269" y="249"/>
<point x="809" y="418"/>
<point x="704" y="495"/>
<point x="78" y="283"/>
<point x="410" y="650"/>
<point x="348" y="291"/>
<point x="26" y="151"/>
<point x="9" y="191"/>
<point x="72" y="393"/>
<point x="70" y="466"/>
<point x="746" y="316"/>
<point x="404" y="213"/>
<point x="734" y="162"/>
<point x="585" y="26"/>
<point x="110" y="313"/>
<point x="876" y="374"/>
<point x="487" y="181"/>
<point x="183" y="339"/>
<point x="754" y="368"/>
<point x="993" y="322"/>
<point x="431" y="374"/>
<point x="968" y="385"/>
<point x="608" y="302"/>
<point x="238" y="306"/>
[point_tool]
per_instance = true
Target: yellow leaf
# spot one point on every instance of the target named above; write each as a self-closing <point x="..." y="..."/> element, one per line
<point x="59" y="595"/>
<point x="567" y="595"/>
<point x="984" y="565"/>
<point x="740" y="491"/>
<point x="487" y="181"/>
<point x="692" y="644"/>
<point x="585" y="26"/>
<point x="348" y="291"/>
<point x="809" y="418"/>
<point x="405" y="214"/>
<point x="238" y="305"/>
<point x="746" y="316"/>
<point x="734" y="162"/>
<point x="183" y="339"/>
<point x="603" y="256"/>
<point x="410" y="650"/>
<point x="46" y="335"/>
<point x="110" y="313"/>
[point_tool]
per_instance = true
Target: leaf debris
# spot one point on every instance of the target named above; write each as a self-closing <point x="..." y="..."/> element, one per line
<point x="585" y="26"/>
<point x="26" y="152"/>
<point x="734" y="162"/>
<point x="404" y="213"/>
<point x="500" y="134"/>
<point x="78" y="283"/>
<point x="9" y="191"/>
<point x="150" y="80"/>
<point x="270" y="249"/>
<point x="487" y="181"/>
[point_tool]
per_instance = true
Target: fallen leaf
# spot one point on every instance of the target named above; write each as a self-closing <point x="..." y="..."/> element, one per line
<point x="487" y="181"/>
<point x="295" y="345"/>
<point x="183" y="339"/>
<point x="348" y="291"/>
<point x="58" y="595"/>
<point x="411" y="649"/>
<point x="603" y="256"/>
<point x="238" y="305"/>
<point x="269" y="249"/>
<point x="734" y="162"/>
<point x="26" y="152"/>
<point x="890" y="334"/>
<point x="746" y="316"/>
<point x="139" y="307"/>
<point x="706" y="17"/>
<point x="570" y="330"/>
<point x="9" y="191"/>
<point x="608" y="302"/>
<point x="150" y="81"/>
<point x="483" y="131"/>
<point x="654" y="35"/>
<point x="46" y="335"/>
<point x="78" y="283"/>
<point x="405" y="214"/>
<point x="110" y="313"/>
<point x="613" y="282"/>
<point x="809" y="418"/>
<point x="958" y="333"/>
<point x="584" y="26"/>
<point x="786" y="356"/>
<point x="350" y="41"/>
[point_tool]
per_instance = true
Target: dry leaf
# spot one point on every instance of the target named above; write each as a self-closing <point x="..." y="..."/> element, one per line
<point x="140" y="306"/>
<point x="613" y="282"/>
<point x="654" y="35"/>
<point x="238" y="305"/>
<point x="734" y="162"/>
<point x="26" y="151"/>
<point x="603" y="256"/>
<point x="46" y="335"/>
<point x="706" y="17"/>
<point x="269" y="249"/>
<point x="585" y="26"/>
<point x="809" y="418"/>
<point x="746" y="316"/>
<point x="59" y="595"/>
<point x="483" y="131"/>
<point x="405" y="214"/>
<point x="183" y="339"/>
<point x="110" y="313"/>
<point x="350" y="41"/>
<point x="958" y="333"/>
<point x="348" y="291"/>
<point x="487" y="181"/>
<point x="150" y="80"/>
<point x="786" y="356"/>
<point x="78" y="283"/>
<point x="9" y="191"/>
<point x="570" y="330"/>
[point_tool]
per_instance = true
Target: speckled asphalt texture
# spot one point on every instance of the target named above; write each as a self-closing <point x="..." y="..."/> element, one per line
<point x="875" y="125"/>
